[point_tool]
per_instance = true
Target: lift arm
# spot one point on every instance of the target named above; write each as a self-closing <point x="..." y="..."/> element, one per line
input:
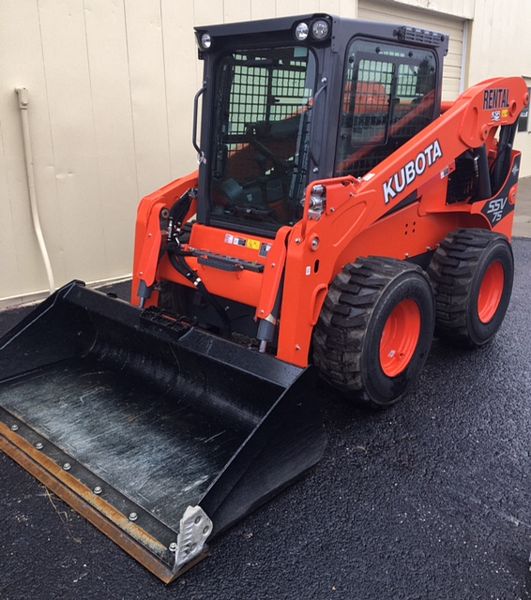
<point x="320" y="244"/>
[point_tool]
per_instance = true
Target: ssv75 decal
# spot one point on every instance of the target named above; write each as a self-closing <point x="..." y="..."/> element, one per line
<point x="495" y="209"/>
<point x="403" y="178"/>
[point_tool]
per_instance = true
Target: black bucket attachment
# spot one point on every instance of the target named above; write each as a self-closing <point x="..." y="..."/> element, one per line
<point x="160" y="434"/>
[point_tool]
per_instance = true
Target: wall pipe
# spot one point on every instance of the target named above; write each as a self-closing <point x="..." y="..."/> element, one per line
<point x="23" y="101"/>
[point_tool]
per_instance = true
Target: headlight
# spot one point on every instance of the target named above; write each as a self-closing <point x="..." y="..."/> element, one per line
<point x="206" y="41"/>
<point x="317" y="203"/>
<point x="320" y="29"/>
<point x="301" y="31"/>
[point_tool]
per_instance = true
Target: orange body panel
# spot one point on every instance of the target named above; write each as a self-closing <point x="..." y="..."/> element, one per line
<point x="148" y="236"/>
<point x="241" y="286"/>
<point x="357" y="221"/>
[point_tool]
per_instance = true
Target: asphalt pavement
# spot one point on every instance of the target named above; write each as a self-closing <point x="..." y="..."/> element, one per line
<point x="428" y="500"/>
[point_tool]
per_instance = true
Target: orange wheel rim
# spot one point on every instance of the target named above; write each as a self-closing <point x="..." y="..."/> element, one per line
<point x="491" y="291"/>
<point x="400" y="337"/>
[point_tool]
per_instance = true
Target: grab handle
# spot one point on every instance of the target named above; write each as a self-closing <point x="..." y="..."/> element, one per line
<point x="200" y="153"/>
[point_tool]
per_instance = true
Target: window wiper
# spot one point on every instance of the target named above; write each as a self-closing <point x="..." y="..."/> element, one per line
<point x="304" y="153"/>
<point x="324" y="84"/>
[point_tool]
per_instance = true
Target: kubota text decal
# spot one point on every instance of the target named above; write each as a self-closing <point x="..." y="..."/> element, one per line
<point x="411" y="170"/>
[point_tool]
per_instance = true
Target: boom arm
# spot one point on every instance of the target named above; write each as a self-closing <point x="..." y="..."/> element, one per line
<point x="467" y="124"/>
<point x="355" y="206"/>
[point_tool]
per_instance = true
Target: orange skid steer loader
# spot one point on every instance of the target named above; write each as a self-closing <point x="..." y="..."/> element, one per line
<point x="341" y="214"/>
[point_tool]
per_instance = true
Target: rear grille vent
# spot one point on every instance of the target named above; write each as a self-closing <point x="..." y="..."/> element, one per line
<point x="420" y="36"/>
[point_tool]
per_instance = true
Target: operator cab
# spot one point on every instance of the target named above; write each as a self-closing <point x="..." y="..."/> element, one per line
<point x="291" y="100"/>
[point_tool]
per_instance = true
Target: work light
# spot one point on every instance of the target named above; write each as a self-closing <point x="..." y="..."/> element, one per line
<point x="301" y="31"/>
<point x="206" y="41"/>
<point x="320" y="29"/>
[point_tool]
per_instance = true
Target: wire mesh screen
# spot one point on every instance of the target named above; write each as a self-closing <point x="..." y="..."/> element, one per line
<point x="248" y="97"/>
<point x="413" y="109"/>
<point x="271" y="92"/>
<point x="370" y="101"/>
<point x="289" y="91"/>
<point x="261" y="132"/>
<point x="388" y="97"/>
<point x="407" y="81"/>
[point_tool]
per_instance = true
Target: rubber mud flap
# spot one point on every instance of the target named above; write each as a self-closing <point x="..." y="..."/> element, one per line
<point x="160" y="434"/>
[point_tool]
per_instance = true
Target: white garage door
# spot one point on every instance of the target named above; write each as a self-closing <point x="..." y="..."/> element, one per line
<point x="452" y="26"/>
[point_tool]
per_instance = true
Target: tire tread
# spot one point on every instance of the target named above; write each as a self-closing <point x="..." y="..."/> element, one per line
<point x="340" y="332"/>
<point x="451" y="271"/>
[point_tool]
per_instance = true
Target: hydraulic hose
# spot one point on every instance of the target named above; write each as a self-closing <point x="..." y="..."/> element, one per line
<point x="500" y="168"/>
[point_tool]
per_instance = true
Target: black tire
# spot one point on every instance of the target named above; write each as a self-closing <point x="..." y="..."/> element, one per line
<point x="346" y="342"/>
<point x="457" y="271"/>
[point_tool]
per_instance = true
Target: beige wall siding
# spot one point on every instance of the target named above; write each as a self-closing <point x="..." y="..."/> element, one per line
<point x="455" y="8"/>
<point x="111" y="84"/>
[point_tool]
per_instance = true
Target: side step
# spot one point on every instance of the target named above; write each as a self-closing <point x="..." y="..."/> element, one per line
<point x="160" y="434"/>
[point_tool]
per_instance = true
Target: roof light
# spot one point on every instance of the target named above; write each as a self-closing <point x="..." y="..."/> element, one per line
<point x="301" y="31"/>
<point x="206" y="41"/>
<point x="320" y="29"/>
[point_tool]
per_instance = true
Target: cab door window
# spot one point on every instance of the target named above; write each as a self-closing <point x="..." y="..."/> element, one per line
<point x="388" y="97"/>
